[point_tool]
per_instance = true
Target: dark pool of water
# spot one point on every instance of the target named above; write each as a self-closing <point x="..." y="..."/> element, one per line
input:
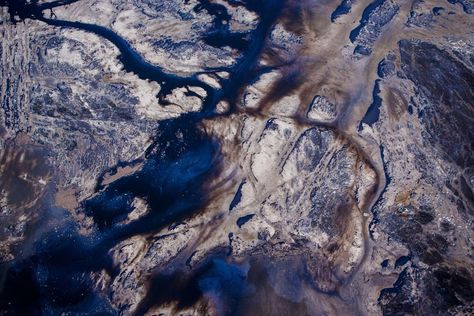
<point x="343" y="8"/>
<point x="373" y="112"/>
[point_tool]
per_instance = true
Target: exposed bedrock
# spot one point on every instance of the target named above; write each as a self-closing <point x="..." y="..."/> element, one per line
<point x="437" y="272"/>
<point x="221" y="157"/>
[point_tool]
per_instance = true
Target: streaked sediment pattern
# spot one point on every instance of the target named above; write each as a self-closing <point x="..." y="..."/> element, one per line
<point x="236" y="157"/>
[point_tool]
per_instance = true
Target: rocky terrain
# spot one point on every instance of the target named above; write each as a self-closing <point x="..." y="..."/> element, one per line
<point x="236" y="157"/>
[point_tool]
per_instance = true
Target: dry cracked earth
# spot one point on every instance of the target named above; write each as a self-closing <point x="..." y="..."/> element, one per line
<point x="236" y="157"/>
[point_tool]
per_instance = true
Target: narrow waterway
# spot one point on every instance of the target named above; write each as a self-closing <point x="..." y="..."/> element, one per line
<point x="173" y="180"/>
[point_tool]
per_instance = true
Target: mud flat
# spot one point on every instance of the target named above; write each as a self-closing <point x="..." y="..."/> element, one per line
<point x="236" y="157"/>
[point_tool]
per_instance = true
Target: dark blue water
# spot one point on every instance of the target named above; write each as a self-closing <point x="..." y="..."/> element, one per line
<point x="402" y="261"/>
<point x="397" y="286"/>
<point x="373" y="112"/>
<point x="237" y="197"/>
<point x="343" y="8"/>
<point x="20" y="9"/>
<point x="388" y="180"/>
<point x="438" y="10"/>
<point x="172" y="181"/>
<point x="244" y="219"/>
<point x="54" y="275"/>
<point x="245" y="70"/>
